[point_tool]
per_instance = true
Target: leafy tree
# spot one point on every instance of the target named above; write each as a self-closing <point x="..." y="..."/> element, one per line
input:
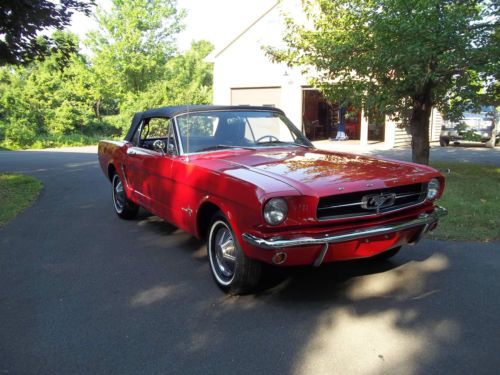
<point x="187" y="79"/>
<point x="134" y="41"/>
<point x="21" y="21"/>
<point x="53" y="96"/>
<point x="134" y="66"/>
<point x="399" y="57"/>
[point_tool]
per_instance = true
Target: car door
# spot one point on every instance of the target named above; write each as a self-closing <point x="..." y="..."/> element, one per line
<point x="146" y="162"/>
<point x="132" y="168"/>
<point x="158" y="169"/>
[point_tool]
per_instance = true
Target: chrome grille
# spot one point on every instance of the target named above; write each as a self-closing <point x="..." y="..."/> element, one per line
<point x="352" y="204"/>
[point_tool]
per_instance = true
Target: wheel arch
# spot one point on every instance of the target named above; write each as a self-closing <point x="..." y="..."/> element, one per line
<point x="111" y="171"/>
<point x="204" y="216"/>
<point x="206" y="211"/>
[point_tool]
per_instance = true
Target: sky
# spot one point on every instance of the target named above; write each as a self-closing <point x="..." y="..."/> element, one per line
<point x="218" y="21"/>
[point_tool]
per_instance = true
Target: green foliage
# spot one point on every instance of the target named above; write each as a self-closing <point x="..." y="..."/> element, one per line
<point x="54" y="141"/>
<point x="135" y="40"/>
<point x="51" y="96"/>
<point x="186" y="79"/>
<point x="20" y="22"/>
<point x="398" y="57"/>
<point x="21" y="134"/>
<point x="382" y="54"/>
<point x="64" y="98"/>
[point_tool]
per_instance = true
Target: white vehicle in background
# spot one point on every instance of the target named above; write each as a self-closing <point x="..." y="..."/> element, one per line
<point x="474" y="127"/>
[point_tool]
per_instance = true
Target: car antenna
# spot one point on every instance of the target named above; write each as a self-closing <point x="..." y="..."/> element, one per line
<point x="187" y="127"/>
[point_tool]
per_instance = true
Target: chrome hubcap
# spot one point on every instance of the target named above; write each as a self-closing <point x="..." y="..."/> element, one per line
<point x="225" y="257"/>
<point x="118" y="195"/>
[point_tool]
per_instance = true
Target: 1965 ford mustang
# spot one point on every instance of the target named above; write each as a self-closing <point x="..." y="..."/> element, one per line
<point x="249" y="182"/>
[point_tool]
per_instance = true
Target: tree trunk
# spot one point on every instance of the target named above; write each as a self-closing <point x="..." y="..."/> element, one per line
<point x="419" y="127"/>
<point x="494" y="131"/>
<point x="97" y="108"/>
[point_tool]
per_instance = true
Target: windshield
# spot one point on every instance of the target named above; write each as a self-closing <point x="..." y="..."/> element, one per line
<point x="206" y="131"/>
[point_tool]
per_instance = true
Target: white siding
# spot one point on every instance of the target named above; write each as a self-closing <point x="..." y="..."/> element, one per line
<point x="402" y="136"/>
<point x="268" y="96"/>
<point x="243" y="64"/>
<point x="435" y="125"/>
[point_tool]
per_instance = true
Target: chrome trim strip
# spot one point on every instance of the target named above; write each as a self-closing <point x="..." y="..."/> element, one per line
<point x="135" y="150"/>
<point x="321" y="256"/>
<point x="407" y="195"/>
<point x="368" y="215"/>
<point x="142" y="195"/>
<point x="235" y="109"/>
<point x="124" y="176"/>
<point x="359" y="203"/>
<point x="277" y="243"/>
<point x="339" y="206"/>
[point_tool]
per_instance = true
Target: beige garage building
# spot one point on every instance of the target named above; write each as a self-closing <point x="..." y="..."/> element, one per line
<point x="243" y="74"/>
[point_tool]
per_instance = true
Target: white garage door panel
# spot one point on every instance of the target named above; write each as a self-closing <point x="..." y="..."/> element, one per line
<point x="270" y="96"/>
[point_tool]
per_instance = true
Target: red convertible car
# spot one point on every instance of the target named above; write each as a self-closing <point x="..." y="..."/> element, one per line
<point x="248" y="181"/>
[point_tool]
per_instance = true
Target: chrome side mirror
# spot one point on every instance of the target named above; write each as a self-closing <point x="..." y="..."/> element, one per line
<point x="171" y="149"/>
<point x="159" y="146"/>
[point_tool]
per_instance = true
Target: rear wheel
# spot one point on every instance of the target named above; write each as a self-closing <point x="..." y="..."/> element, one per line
<point x="231" y="269"/>
<point x="386" y="254"/>
<point x="124" y="208"/>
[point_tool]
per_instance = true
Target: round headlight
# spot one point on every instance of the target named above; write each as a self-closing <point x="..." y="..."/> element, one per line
<point x="275" y="211"/>
<point x="433" y="188"/>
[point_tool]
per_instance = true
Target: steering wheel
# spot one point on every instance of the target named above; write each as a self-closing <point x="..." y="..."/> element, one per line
<point x="272" y="138"/>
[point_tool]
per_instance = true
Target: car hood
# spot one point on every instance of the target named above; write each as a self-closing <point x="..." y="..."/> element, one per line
<point x="320" y="173"/>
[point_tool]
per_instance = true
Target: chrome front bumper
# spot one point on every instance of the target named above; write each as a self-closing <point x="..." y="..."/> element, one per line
<point x="424" y="220"/>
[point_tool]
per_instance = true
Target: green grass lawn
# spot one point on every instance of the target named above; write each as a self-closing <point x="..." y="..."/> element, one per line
<point x="16" y="193"/>
<point x="472" y="197"/>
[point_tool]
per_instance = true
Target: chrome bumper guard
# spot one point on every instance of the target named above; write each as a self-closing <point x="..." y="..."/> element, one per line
<point x="424" y="220"/>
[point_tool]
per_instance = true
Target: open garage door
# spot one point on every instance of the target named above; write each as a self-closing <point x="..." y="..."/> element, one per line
<point x="268" y="96"/>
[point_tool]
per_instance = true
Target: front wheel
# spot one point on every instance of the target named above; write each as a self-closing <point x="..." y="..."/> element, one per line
<point x="231" y="269"/>
<point x="444" y="142"/>
<point x="124" y="208"/>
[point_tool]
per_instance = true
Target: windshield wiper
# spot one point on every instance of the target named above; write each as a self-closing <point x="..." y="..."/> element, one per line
<point x="221" y="147"/>
<point x="283" y="143"/>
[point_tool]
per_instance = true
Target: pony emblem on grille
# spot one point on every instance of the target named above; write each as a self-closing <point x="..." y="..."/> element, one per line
<point x="378" y="201"/>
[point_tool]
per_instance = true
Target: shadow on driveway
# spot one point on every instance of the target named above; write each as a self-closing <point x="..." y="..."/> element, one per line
<point x="85" y="292"/>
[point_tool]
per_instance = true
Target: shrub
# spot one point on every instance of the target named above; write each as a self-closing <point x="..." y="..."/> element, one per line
<point x="20" y="134"/>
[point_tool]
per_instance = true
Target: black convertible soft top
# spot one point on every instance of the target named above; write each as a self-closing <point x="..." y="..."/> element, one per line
<point x="169" y="112"/>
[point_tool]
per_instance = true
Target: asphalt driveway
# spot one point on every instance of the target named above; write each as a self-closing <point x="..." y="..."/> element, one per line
<point x="472" y="152"/>
<point x="475" y="153"/>
<point x="82" y="291"/>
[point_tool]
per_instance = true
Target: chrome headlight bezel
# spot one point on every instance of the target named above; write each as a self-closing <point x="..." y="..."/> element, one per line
<point x="433" y="187"/>
<point x="275" y="211"/>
